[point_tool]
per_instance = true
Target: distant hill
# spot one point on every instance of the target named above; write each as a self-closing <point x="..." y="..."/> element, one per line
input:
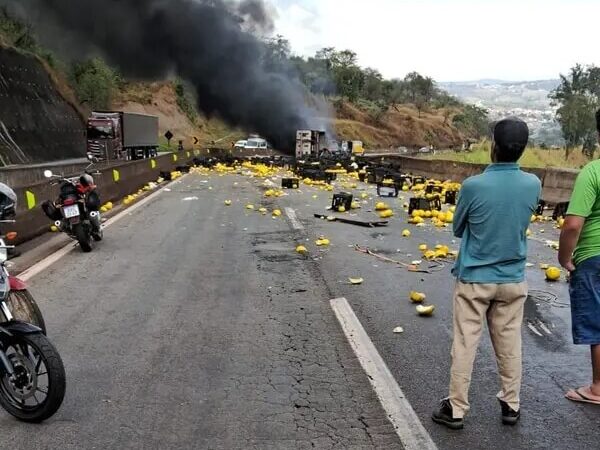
<point x="525" y="99"/>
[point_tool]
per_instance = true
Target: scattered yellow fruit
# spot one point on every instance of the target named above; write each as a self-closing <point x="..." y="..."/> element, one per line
<point x="417" y="297"/>
<point x="356" y="280"/>
<point x="386" y="214"/>
<point x="561" y="222"/>
<point x="301" y="249"/>
<point x="528" y="232"/>
<point x="553" y="274"/>
<point x="406" y="233"/>
<point x="425" y="310"/>
<point x="109" y="205"/>
<point x="380" y="206"/>
<point x="341" y="209"/>
<point x="262" y="210"/>
<point x="250" y="207"/>
<point x="227" y="202"/>
<point x="103" y="209"/>
<point x="364" y="195"/>
<point x="53" y="228"/>
<point x="322" y="242"/>
<point x="355" y="205"/>
<point x="276" y="213"/>
<point x="429" y="254"/>
<point x="423" y="247"/>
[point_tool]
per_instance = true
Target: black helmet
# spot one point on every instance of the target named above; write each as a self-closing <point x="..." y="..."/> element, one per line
<point x="86" y="180"/>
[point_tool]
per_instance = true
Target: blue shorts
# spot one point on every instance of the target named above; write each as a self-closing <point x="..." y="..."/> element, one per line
<point x="584" y="289"/>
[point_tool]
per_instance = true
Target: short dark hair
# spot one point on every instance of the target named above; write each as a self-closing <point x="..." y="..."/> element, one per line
<point x="598" y="120"/>
<point x="510" y="137"/>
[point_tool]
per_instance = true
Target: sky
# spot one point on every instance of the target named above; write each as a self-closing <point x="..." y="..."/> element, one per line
<point x="449" y="40"/>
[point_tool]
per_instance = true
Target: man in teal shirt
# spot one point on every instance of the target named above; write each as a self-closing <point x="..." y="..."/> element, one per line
<point x="580" y="254"/>
<point x="492" y="216"/>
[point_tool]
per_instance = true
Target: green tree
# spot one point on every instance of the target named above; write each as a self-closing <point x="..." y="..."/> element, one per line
<point x="95" y="83"/>
<point x="421" y="90"/>
<point x="472" y="121"/>
<point x="577" y="98"/>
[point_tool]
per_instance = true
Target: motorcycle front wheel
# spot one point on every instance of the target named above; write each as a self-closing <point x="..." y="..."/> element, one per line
<point x="24" y="308"/>
<point x="83" y="237"/>
<point x="37" y="388"/>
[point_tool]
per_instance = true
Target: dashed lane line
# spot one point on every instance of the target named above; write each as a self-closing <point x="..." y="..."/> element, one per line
<point x="409" y="428"/>
<point x="42" y="265"/>
<point x="294" y="219"/>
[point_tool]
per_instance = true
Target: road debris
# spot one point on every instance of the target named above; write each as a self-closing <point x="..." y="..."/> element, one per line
<point x="434" y="266"/>
<point x="398" y="330"/>
<point x="356" y="281"/>
<point x="361" y="223"/>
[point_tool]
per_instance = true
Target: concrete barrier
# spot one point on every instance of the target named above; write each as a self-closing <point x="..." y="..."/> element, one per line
<point x="557" y="183"/>
<point x="114" y="183"/>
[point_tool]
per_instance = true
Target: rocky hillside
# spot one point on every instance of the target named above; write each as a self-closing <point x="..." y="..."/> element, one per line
<point x="183" y="120"/>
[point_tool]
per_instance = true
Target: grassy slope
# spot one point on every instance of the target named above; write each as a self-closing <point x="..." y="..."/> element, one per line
<point x="398" y="127"/>
<point x="533" y="157"/>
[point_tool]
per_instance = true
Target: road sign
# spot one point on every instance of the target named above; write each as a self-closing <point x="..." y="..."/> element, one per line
<point x="195" y="140"/>
<point x="169" y="136"/>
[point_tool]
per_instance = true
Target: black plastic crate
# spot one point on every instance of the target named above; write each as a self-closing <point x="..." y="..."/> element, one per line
<point x="540" y="209"/>
<point x="424" y="204"/>
<point x="451" y="197"/>
<point x="290" y="183"/>
<point x="433" y="189"/>
<point x="560" y="210"/>
<point x="418" y="180"/>
<point x="342" y="199"/>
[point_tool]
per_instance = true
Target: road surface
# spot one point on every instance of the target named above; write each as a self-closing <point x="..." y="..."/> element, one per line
<point x="197" y="325"/>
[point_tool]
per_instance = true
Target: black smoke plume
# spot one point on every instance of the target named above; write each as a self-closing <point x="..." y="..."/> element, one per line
<point x="211" y="44"/>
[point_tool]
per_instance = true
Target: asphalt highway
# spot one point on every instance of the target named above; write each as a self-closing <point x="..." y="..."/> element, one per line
<point x="197" y="325"/>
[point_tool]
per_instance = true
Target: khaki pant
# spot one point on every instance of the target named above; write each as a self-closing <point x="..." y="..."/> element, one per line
<point x="502" y="306"/>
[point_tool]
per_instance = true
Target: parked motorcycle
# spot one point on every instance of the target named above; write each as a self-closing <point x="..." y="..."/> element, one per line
<point x="32" y="375"/>
<point x="19" y="301"/>
<point x="77" y="210"/>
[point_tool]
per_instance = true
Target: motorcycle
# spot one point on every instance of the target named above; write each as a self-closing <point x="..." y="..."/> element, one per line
<point x="76" y="212"/>
<point x="32" y="375"/>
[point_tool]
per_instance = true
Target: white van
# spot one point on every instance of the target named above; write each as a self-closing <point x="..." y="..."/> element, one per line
<point x="256" y="144"/>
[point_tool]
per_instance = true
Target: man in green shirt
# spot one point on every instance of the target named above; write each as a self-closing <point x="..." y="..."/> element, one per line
<point x="580" y="255"/>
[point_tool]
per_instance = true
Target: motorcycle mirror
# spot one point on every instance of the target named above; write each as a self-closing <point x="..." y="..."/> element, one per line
<point x="48" y="173"/>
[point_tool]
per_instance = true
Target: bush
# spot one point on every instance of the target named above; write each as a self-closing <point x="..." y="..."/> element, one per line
<point x="186" y="101"/>
<point x="94" y="83"/>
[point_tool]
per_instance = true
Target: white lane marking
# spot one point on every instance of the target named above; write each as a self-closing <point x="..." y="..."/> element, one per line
<point x="294" y="219"/>
<point x="409" y="428"/>
<point x="42" y="265"/>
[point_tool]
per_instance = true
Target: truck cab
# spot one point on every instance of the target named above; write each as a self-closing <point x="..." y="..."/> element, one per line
<point x="353" y="147"/>
<point x="104" y="140"/>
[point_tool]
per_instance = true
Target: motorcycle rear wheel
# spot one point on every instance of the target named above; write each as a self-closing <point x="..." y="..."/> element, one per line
<point x="83" y="237"/>
<point x="38" y="370"/>
<point x="24" y="308"/>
